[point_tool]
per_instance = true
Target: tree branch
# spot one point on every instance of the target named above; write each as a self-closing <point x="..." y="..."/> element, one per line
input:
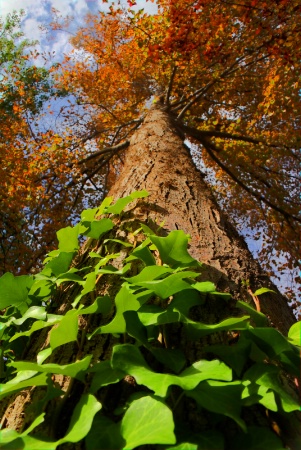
<point x="198" y="94"/>
<point x="114" y="149"/>
<point x="200" y="134"/>
<point x="210" y="148"/>
<point x="169" y="88"/>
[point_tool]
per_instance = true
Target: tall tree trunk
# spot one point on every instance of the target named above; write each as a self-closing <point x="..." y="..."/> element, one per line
<point x="158" y="161"/>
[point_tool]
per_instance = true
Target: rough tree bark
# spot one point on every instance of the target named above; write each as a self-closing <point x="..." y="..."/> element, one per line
<point x="158" y="161"/>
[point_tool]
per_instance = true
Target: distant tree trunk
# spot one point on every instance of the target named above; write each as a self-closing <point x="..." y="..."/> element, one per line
<point x="158" y="161"/>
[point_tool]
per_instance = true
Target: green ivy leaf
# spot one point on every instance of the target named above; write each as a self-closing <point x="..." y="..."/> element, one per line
<point x="111" y="270"/>
<point x="43" y="355"/>
<point x="98" y="228"/>
<point x="143" y="253"/>
<point x="139" y="194"/>
<point x="73" y="370"/>
<point x="135" y="328"/>
<point x="82" y="418"/>
<point x="220" y="397"/>
<point x="170" y="285"/>
<point x="88" y="215"/>
<point x="104" y="435"/>
<point x="66" y="331"/>
<point x="89" y="284"/>
<point x="103" y="260"/>
<point x="68" y="239"/>
<point x="235" y="355"/>
<point x="7" y="435"/>
<point x="184" y="446"/>
<point x="257" y="438"/>
<point x="174" y="358"/>
<point x="23" y="380"/>
<point x="268" y="376"/>
<point x="69" y="277"/>
<point x="254" y="393"/>
<point x="206" y="440"/>
<point x="121" y="203"/>
<point x="147" y="421"/>
<point x="184" y="301"/>
<point x="29" y="443"/>
<point x="104" y="375"/>
<point x="155" y="315"/>
<point x="58" y="264"/>
<point x="101" y="305"/>
<point x="125" y="300"/>
<point x="128" y="359"/>
<point x="147" y="230"/>
<point x="80" y="425"/>
<point x="258" y="318"/>
<point x="195" y="330"/>
<point x="105" y="203"/>
<point x="35" y="312"/>
<point x="149" y="274"/>
<point x="14" y="291"/>
<point x="263" y="291"/>
<point x="173" y="249"/>
<point x="294" y="334"/>
<point x="52" y="319"/>
<point x="41" y="290"/>
<point x="204" y="286"/>
<point x="276" y="346"/>
<point x="118" y="241"/>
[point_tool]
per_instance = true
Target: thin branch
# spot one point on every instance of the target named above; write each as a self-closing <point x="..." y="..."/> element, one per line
<point x="198" y="94"/>
<point x="105" y="150"/>
<point x="200" y="134"/>
<point x="169" y="89"/>
<point x="286" y="174"/>
<point x="210" y="148"/>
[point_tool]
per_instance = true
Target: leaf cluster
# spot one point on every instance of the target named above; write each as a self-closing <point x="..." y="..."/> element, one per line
<point x="168" y="400"/>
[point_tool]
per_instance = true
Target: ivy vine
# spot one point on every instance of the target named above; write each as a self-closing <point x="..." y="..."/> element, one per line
<point x="148" y="305"/>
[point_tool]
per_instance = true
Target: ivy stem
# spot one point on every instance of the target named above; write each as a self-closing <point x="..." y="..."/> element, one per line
<point x="178" y="400"/>
<point x="255" y="299"/>
<point x="1" y="362"/>
<point x="164" y="335"/>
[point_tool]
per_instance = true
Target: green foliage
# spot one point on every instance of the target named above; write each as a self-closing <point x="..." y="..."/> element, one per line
<point x="15" y="70"/>
<point x="231" y="377"/>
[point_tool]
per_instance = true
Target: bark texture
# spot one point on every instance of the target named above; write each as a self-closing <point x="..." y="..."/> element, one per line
<point x="158" y="161"/>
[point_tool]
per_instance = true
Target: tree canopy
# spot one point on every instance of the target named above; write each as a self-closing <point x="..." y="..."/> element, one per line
<point x="26" y="148"/>
<point x="229" y="74"/>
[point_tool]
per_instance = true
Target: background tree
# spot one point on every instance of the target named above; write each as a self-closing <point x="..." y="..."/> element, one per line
<point x="28" y="149"/>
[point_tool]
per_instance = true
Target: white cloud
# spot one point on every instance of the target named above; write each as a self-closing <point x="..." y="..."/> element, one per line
<point x="38" y="12"/>
<point x="11" y="5"/>
<point x="63" y="6"/>
<point x="31" y="28"/>
<point x="31" y="8"/>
